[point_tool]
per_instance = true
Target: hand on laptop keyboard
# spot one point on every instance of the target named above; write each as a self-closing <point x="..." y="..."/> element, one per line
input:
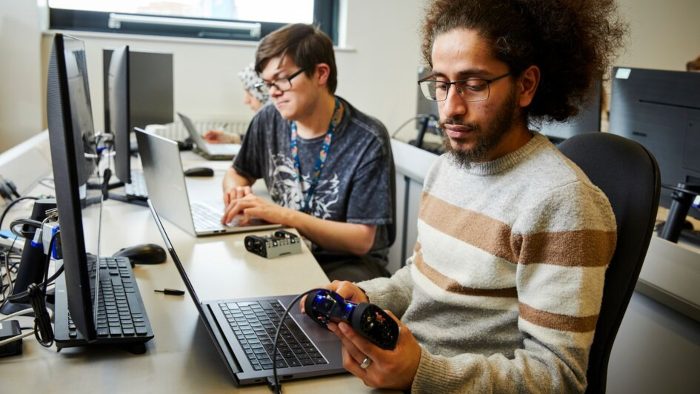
<point x="236" y="221"/>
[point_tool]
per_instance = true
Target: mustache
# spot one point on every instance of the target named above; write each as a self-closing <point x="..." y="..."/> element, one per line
<point x="457" y="122"/>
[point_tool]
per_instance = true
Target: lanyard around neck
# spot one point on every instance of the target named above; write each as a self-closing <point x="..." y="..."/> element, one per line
<point x="322" y="155"/>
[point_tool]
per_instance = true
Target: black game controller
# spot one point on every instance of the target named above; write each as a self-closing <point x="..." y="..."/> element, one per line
<point x="369" y="320"/>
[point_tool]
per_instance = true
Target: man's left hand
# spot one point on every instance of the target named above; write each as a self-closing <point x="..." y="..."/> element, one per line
<point x="393" y="369"/>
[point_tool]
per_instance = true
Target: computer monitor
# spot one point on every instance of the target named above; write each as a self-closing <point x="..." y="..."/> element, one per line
<point x="120" y="112"/>
<point x="661" y="110"/>
<point x="150" y="88"/>
<point x="586" y="121"/>
<point x="67" y="97"/>
<point x="68" y="76"/>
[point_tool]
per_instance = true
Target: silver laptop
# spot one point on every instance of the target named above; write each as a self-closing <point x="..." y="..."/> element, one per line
<point x="205" y="149"/>
<point x="243" y="331"/>
<point x="165" y="181"/>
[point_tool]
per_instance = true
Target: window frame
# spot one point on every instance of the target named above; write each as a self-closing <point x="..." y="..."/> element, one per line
<point x="325" y="16"/>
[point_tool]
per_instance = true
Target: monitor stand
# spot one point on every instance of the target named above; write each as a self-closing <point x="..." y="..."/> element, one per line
<point x="683" y="196"/>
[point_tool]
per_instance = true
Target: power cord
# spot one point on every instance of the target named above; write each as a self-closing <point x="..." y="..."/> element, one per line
<point x="274" y="383"/>
<point x="37" y="297"/>
<point x="405" y="123"/>
<point x="13" y="203"/>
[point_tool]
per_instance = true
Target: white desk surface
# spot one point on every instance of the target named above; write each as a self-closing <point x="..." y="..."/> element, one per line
<point x="181" y="358"/>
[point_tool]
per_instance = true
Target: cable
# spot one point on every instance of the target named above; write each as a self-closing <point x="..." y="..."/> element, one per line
<point x="15" y="338"/>
<point x="10" y="282"/>
<point x="47" y="280"/>
<point x="275" y="385"/>
<point x="18" y="313"/>
<point x="405" y="123"/>
<point x="29" y="222"/>
<point x="11" y="204"/>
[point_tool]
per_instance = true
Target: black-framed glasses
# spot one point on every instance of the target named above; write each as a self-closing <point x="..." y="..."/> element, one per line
<point x="470" y="89"/>
<point x="282" y="84"/>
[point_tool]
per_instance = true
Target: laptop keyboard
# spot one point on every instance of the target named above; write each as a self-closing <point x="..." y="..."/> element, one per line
<point x="120" y="312"/>
<point x="137" y="187"/>
<point x="255" y="323"/>
<point x="205" y="217"/>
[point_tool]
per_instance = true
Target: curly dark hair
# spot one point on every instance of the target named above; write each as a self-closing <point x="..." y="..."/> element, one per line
<point x="571" y="41"/>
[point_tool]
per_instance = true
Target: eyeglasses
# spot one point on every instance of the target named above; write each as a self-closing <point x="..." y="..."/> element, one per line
<point x="470" y="89"/>
<point x="282" y="84"/>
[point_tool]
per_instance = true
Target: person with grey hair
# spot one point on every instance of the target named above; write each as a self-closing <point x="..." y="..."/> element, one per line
<point x="255" y="96"/>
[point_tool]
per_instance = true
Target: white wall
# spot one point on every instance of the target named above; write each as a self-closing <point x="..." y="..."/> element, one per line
<point x="20" y="72"/>
<point x="663" y="34"/>
<point x="377" y="73"/>
<point x="376" y="66"/>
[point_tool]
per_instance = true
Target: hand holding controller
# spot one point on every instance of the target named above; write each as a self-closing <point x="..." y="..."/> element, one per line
<point x="370" y="321"/>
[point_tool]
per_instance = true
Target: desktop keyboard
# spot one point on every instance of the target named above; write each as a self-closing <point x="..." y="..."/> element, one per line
<point x="137" y="187"/>
<point x="255" y="322"/>
<point x="121" y="316"/>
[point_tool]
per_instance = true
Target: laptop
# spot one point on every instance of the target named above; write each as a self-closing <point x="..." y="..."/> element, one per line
<point x="167" y="188"/>
<point x="243" y="331"/>
<point x="205" y="149"/>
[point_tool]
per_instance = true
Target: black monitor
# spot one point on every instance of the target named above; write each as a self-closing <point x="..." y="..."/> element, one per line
<point x="68" y="72"/>
<point x="150" y="88"/>
<point x="67" y="97"/>
<point x="661" y="110"/>
<point x="119" y="111"/>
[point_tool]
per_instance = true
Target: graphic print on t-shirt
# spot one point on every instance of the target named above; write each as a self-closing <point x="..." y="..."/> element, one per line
<point x="286" y="192"/>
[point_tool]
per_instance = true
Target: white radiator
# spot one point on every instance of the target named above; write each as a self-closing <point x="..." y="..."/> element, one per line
<point x="176" y="130"/>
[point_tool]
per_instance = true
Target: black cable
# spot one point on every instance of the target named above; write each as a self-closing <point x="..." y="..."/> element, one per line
<point x="28" y="222"/>
<point x="275" y="385"/>
<point x="10" y="282"/>
<point x="47" y="280"/>
<point x="11" y="204"/>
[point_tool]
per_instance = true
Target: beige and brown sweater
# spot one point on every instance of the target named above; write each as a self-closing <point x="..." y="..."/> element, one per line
<point x="504" y="287"/>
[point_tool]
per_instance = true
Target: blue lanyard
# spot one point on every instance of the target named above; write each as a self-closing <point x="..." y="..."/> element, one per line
<point x="322" y="155"/>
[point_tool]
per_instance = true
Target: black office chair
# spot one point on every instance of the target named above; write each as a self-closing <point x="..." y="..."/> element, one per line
<point x="629" y="176"/>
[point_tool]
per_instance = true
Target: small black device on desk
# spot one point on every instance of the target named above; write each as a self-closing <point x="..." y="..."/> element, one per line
<point x="143" y="254"/>
<point x="199" y="171"/>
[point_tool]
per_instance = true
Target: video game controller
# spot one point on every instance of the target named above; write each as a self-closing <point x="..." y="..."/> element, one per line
<point x="325" y="306"/>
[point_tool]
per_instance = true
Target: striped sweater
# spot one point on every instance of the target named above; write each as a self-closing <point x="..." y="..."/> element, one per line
<point x="504" y="287"/>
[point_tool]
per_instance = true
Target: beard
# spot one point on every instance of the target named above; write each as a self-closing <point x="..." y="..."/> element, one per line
<point x="487" y="138"/>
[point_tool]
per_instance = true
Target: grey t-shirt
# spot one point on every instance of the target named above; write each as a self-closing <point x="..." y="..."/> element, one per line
<point x="354" y="184"/>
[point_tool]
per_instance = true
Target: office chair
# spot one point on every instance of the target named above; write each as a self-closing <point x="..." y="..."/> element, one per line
<point x="391" y="229"/>
<point x="629" y="176"/>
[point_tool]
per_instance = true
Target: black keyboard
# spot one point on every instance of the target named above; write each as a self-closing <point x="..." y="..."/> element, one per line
<point x="121" y="316"/>
<point x="255" y="323"/>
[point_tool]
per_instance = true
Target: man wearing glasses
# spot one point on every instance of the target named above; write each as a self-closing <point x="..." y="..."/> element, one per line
<point x="326" y="165"/>
<point x="503" y="290"/>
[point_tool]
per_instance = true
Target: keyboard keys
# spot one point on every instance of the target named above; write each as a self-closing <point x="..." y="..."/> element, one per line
<point x="119" y="313"/>
<point x="255" y="325"/>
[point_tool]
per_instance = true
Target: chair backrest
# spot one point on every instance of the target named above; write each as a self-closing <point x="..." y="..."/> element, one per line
<point x="629" y="176"/>
<point x="391" y="229"/>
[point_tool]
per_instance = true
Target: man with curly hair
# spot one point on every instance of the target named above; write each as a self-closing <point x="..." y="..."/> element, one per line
<point x="503" y="290"/>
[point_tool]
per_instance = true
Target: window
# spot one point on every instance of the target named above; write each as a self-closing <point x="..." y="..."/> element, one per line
<point x="220" y="19"/>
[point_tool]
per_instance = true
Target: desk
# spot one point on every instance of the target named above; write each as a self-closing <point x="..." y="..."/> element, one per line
<point x="181" y="358"/>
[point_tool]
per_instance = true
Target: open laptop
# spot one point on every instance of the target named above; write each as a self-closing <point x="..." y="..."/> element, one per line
<point x="167" y="188"/>
<point x="243" y="331"/>
<point x="205" y="149"/>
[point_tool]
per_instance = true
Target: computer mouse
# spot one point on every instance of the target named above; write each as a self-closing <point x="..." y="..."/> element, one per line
<point x="199" y="171"/>
<point x="143" y="254"/>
